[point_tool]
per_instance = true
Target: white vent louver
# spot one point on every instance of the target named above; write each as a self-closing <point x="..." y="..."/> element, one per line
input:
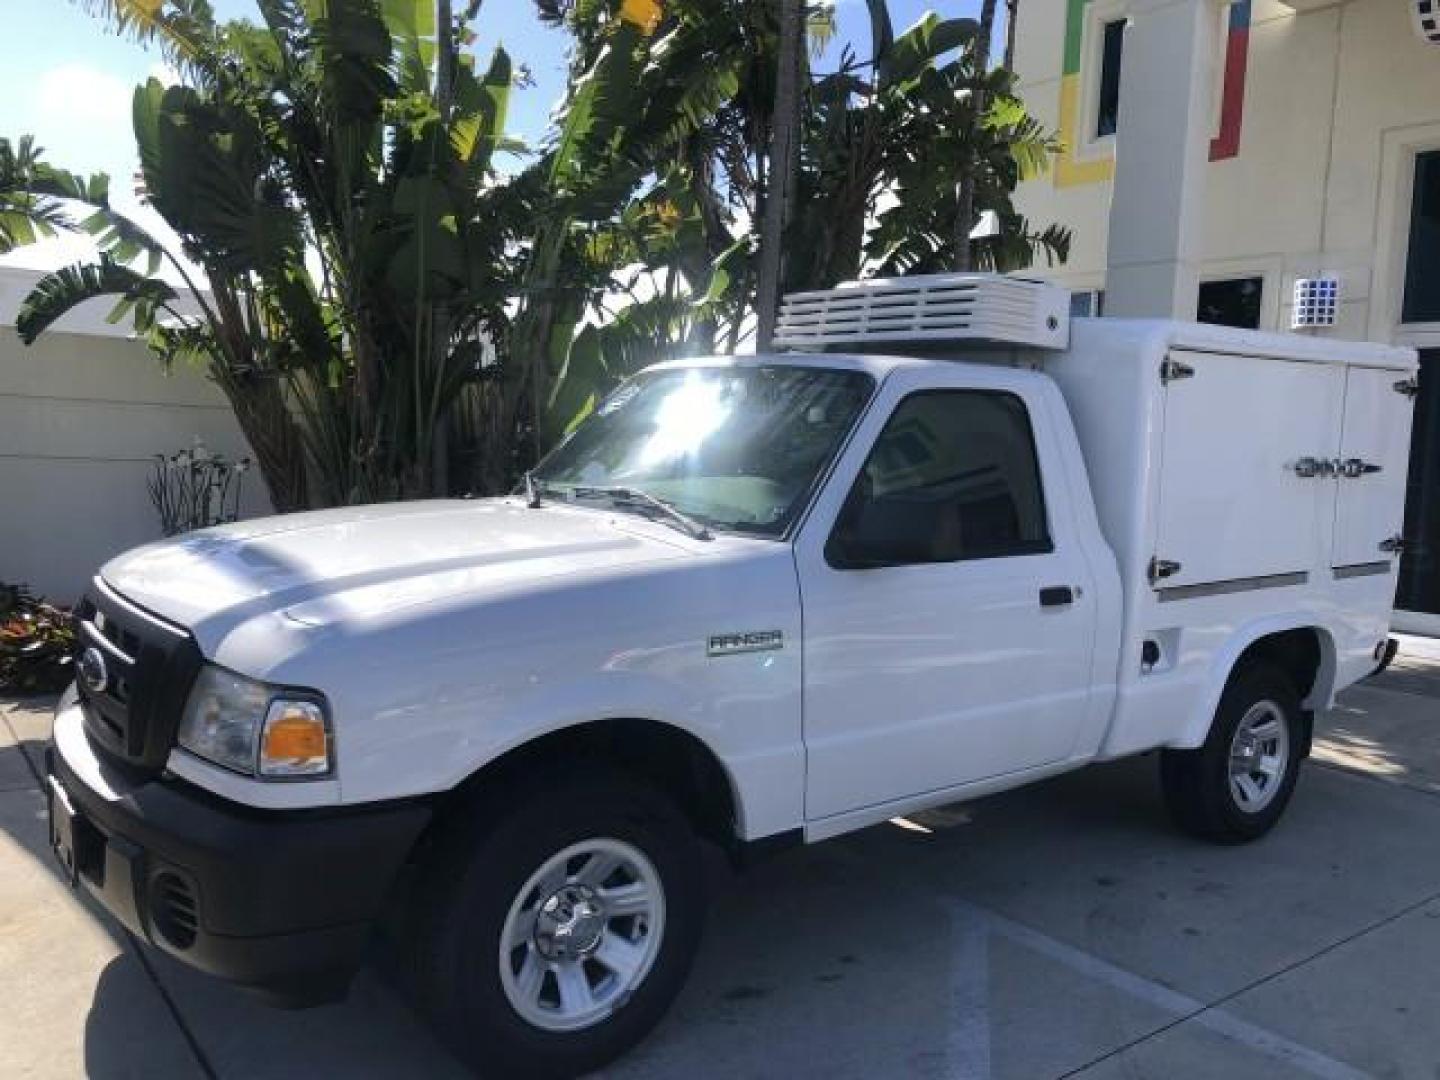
<point x="934" y="308"/>
<point x="1317" y="303"/>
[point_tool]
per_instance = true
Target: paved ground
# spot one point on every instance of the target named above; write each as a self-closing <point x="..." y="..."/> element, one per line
<point x="1063" y="930"/>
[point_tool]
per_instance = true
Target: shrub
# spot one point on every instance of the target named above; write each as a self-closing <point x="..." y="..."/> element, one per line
<point x="37" y="643"/>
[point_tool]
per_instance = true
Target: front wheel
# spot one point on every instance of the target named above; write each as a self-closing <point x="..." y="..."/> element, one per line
<point x="554" y="938"/>
<point x="1236" y="786"/>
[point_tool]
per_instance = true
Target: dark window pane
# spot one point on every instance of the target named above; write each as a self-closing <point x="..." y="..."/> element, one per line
<point x="1422" y="270"/>
<point x="1084" y="305"/>
<point x="953" y="476"/>
<point x="1112" y="49"/>
<point x="1233" y="302"/>
<point x="1420" y="566"/>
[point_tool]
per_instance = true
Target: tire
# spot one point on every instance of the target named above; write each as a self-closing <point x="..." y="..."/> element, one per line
<point x="1203" y="795"/>
<point x="484" y="878"/>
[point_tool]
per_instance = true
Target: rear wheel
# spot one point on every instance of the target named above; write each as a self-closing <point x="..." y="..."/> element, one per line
<point x="1236" y="786"/>
<point x="553" y="939"/>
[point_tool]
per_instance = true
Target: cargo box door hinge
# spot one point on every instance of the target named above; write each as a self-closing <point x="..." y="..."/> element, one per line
<point x="1174" y="370"/>
<point x="1409" y="387"/>
<point x="1160" y="569"/>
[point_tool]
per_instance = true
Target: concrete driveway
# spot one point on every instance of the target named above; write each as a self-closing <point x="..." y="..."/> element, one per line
<point x="1062" y="930"/>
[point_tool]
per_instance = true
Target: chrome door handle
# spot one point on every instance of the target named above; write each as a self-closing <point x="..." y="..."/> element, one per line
<point x="1355" y="468"/>
<point x="1308" y="467"/>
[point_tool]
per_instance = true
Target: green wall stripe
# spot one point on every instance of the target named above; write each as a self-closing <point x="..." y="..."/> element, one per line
<point x="1074" y="34"/>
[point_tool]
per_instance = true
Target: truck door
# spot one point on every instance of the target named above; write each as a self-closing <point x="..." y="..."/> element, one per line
<point x="1245" y="490"/>
<point x="1374" y="456"/>
<point x="949" y="614"/>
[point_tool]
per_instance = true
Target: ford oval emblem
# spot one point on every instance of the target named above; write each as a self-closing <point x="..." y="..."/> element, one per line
<point x="93" y="671"/>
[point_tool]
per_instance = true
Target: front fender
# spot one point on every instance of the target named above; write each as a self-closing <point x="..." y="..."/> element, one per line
<point x="765" y="776"/>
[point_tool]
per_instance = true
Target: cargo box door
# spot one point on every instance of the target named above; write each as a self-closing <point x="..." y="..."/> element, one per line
<point x="1374" y="457"/>
<point x="1236" y="503"/>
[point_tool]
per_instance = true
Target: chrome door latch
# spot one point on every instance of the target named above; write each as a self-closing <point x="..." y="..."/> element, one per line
<point x="1160" y="569"/>
<point x="1393" y="546"/>
<point x="1409" y="387"/>
<point x="1308" y="468"/>
<point x="1355" y="468"/>
<point x="1173" y="370"/>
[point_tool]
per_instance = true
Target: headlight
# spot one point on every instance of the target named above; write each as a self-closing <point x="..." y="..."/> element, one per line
<point x="253" y="728"/>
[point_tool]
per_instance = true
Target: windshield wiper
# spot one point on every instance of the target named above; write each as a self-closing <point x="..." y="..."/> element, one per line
<point x="634" y="496"/>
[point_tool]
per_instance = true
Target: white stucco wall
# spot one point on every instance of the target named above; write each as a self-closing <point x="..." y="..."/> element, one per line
<point x="1339" y="98"/>
<point x="81" y="416"/>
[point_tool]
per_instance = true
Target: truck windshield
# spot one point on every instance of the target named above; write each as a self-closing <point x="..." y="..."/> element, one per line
<point x="734" y="448"/>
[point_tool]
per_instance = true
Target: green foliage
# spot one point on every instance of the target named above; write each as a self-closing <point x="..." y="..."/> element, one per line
<point x="354" y="240"/>
<point x="33" y="194"/>
<point x="881" y="158"/>
<point x="37" y="644"/>
<point x="391" y="316"/>
<point x="56" y="293"/>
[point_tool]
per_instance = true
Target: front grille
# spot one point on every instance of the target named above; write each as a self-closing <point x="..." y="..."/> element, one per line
<point x="147" y="666"/>
<point x="174" y="910"/>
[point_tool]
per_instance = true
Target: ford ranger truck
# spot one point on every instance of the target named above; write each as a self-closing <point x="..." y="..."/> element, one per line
<point x="952" y="544"/>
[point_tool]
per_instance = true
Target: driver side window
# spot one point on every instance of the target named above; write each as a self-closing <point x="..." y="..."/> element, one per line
<point x="953" y="476"/>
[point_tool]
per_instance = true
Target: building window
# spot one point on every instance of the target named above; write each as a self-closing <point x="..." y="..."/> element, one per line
<point x="1107" y="119"/>
<point x="1422" y="269"/>
<point x="1232" y="302"/>
<point x="1087" y="304"/>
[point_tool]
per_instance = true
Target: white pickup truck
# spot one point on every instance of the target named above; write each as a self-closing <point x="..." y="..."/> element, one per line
<point x="750" y="600"/>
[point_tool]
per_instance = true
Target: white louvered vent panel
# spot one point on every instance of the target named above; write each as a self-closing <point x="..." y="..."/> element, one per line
<point x="932" y="308"/>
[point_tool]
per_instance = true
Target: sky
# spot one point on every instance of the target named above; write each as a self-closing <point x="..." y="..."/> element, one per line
<point x="68" y="81"/>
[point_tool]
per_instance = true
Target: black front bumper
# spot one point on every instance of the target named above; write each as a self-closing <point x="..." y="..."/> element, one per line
<point x="281" y="902"/>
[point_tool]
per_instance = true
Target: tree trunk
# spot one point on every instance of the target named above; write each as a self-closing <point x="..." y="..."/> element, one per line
<point x="268" y="426"/>
<point x="1012" y="11"/>
<point x="965" y="201"/>
<point x="440" y="325"/>
<point x="784" y="143"/>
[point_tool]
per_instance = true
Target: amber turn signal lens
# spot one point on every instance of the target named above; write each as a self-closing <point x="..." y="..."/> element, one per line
<point x="295" y="741"/>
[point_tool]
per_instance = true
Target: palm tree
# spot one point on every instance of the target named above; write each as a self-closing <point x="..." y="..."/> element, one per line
<point x="965" y="214"/>
<point x="33" y="194"/>
<point x="779" y="194"/>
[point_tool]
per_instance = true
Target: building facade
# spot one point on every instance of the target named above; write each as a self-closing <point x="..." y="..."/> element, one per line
<point x="1217" y="154"/>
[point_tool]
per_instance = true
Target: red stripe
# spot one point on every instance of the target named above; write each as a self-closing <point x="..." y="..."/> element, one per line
<point x="1232" y="104"/>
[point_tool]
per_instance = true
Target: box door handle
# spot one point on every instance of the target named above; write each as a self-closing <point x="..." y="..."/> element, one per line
<point x="1057" y="596"/>
<point x="1355" y="468"/>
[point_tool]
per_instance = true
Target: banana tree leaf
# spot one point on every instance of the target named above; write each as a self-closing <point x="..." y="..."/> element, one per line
<point x="60" y="292"/>
<point x="575" y="391"/>
<point x="204" y="168"/>
<point x="606" y="98"/>
<point x="412" y="24"/>
<point x="923" y="44"/>
<point x="353" y="46"/>
<point x="121" y="238"/>
<point x="481" y="107"/>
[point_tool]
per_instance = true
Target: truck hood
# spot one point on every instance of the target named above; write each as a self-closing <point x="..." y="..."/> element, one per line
<point x="369" y="562"/>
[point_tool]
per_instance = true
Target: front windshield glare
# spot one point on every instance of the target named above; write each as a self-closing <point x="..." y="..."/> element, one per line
<point x="737" y="448"/>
